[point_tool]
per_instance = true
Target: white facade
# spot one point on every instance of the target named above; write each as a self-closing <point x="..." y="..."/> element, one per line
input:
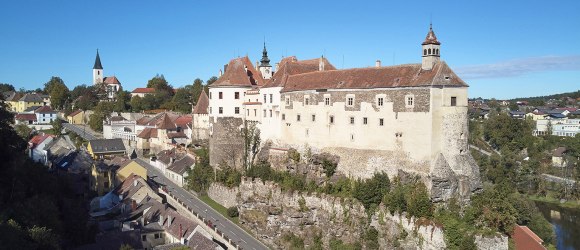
<point x="45" y="118"/>
<point x="39" y="153"/>
<point x="226" y="101"/>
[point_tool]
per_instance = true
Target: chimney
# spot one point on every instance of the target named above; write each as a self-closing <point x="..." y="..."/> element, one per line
<point x="221" y="73"/>
<point x="321" y="64"/>
<point x="378" y="63"/>
<point x="135" y="183"/>
<point x="169" y="220"/>
<point x="181" y="233"/>
<point x="225" y="68"/>
<point x="171" y="160"/>
<point x="160" y="220"/>
<point x="133" y="205"/>
<point x="277" y="66"/>
<point x="257" y="65"/>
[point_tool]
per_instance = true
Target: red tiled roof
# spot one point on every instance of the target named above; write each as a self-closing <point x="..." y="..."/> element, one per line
<point x="408" y="75"/>
<point x="183" y="120"/>
<point x="111" y="80"/>
<point x="239" y="72"/>
<point x="44" y="109"/>
<point x="144" y="90"/>
<point x="148" y="133"/>
<point x="165" y="122"/>
<point x="25" y="117"/>
<point x="202" y="104"/>
<point x="176" y="135"/>
<point x="38" y="139"/>
<point x="524" y="238"/>
<point x="76" y="112"/>
<point x="291" y="66"/>
<point x="251" y="103"/>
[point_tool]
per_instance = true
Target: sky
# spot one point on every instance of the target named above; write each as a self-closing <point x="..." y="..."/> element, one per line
<point x="502" y="49"/>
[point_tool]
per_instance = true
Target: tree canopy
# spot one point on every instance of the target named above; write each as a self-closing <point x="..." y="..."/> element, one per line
<point x="58" y="92"/>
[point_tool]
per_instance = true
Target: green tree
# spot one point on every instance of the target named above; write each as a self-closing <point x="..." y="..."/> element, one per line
<point x="211" y="80"/>
<point x="58" y="92"/>
<point x="6" y="87"/>
<point x="126" y="247"/>
<point x="137" y="104"/>
<point x="370" y="192"/>
<point x="23" y="131"/>
<point x="197" y="88"/>
<point x="101" y="112"/>
<point x="182" y="101"/>
<point x="57" y="127"/>
<point x="123" y="101"/>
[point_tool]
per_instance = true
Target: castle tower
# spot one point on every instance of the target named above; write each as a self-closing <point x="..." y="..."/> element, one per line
<point x="265" y="67"/>
<point x="97" y="70"/>
<point x="430" y="50"/>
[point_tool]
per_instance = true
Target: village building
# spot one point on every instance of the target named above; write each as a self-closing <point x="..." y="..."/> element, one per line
<point x="410" y="117"/>
<point x="37" y="148"/>
<point x="111" y="84"/>
<point x="105" y="148"/>
<point x="558" y="159"/>
<point x="141" y="92"/>
<point x="200" y="118"/>
<point x="163" y="131"/>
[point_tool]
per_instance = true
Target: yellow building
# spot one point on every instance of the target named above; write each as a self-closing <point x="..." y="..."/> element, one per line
<point x="30" y="100"/>
<point x="11" y="98"/>
<point x="102" y="148"/>
<point x="536" y="116"/>
<point x="131" y="167"/>
<point x="76" y="117"/>
<point x="102" y="175"/>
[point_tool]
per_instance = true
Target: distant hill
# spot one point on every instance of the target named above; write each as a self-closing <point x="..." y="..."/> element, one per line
<point x="573" y="95"/>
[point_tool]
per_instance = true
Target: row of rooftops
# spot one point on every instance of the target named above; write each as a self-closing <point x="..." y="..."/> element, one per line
<point x="143" y="212"/>
<point x="176" y="161"/>
<point x="13" y="96"/>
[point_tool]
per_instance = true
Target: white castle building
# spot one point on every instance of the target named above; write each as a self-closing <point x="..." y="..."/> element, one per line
<point x="410" y="117"/>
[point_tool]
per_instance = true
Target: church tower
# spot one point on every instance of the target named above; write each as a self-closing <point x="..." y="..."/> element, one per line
<point x="430" y="50"/>
<point x="265" y="67"/>
<point x="97" y="70"/>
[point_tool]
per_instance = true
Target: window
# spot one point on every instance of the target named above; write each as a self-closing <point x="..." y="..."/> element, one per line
<point x="106" y="174"/>
<point x="306" y="101"/>
<point x="365" y="120"/>
<point x="209" y="95"/>
<point x="271" y="98"/>
<point x="264" y="113"/>
<point x="297" y="118"/>
<point x="424" y="52"/>
<point x="313" y="118"/>
<point x="106" y="184"/>
<point x="221" y="110"/>
<point x="429" y="51"/>
<point x="453" y="101"/>
<point x="247" y="112"/>
<point x="287" y="101"/>
<point x="351" y="120"/>
<point x="307" y="132"/>
<point x="331" y="119"/>
<point x="210" y="110"/>
<point x="327" y="101"/>
<point x="221" y="95"/>
<point x="264" y="98"/>
<point x="283" y="117"/>
<point x="157" y="236"/>
<point x="381" y="122"/>
<point x="380" y="101"/>
<point x="255" y="112"/>
<point x="237" y="95"/>
<point x="270" y="113"/>
<point x="143" y="237"/>
<point x="237" y="110"/>
<point x="409" y="101"/>
<point x="350" y="101"/>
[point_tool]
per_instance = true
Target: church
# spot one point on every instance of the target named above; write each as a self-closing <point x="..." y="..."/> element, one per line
<point x="111" y="83"/>
<point x="408" y="118"/>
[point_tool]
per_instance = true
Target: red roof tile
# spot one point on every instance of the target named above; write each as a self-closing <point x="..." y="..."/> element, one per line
<point x="25" y="117"/>
<point x="240" y="72"/>
<point x="148" y="133"/>
<point x="165" y="122"/>
<point x="76" y="112"/>
<point x="408" y="75"/>
<point x="183" y="120"/>
<point x="202" y="104"/>
<point x="144" y="90"/>
<point x="111" y="80"/>
<point x="431" y="38"/>
<point x="291" y="66"/>
<point x="38" y="139"/>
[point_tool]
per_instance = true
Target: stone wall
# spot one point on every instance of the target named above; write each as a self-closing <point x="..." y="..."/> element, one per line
<point x="499" y="242"/>
<point x="227" y="197"/>
<point x="226" y="143"/>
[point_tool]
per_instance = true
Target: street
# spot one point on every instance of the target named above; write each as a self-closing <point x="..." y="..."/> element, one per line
<point x="83" y="131"/>
<point x="232" y="231"/>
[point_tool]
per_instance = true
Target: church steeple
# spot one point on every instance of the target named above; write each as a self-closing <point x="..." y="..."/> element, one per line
<point x="265" y="62"/>
<point x="97" y="70"/>
<point x="265" y="67"/>
<point x="98" y="62"/>
<point x="431" y="48"/>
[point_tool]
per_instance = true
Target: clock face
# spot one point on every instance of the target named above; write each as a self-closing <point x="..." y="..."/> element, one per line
<point x="267" y="71"/>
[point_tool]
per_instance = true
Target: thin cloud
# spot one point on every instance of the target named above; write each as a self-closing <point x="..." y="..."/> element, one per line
<point x="520" y="67"/>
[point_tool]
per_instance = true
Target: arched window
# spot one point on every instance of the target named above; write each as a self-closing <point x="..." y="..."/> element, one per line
<point x="429" y="51"/>
<point x="437" y="52"/>
<point x="424" y="52"/>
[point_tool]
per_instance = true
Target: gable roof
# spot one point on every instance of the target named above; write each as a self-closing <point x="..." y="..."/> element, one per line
<point x="107" y="145"/>
<point x="38" y="139"/>
<point x="183" y="121"/>
<point x="31" y="97"/>
<point x="76" y="112"/>
<point x="558" y="152"/>
<point x="165" y="122"/>
<point x="202" y="104"/>
<point x="10" y="96"/>
<point x="180" y="166"/>
<point x="143" y="90"/>
<point x="148" y="133"/>
<point x="239" y="72"/>
<point x="25" y="117"/>
<point x="407" y="75"/>
<point x="292" y="66"/>
<point x="111" y="80"/>
<point x="44" y="110"/>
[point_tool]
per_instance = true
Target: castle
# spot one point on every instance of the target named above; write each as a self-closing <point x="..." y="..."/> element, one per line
<point x="410" y="118"/>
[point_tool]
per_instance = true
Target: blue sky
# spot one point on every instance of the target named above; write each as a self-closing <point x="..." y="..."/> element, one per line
<point x="503" y="49"/>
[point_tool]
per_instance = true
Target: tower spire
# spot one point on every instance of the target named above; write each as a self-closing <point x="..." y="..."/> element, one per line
<point x="98" y="62"/>
<point x="265" y="62"/>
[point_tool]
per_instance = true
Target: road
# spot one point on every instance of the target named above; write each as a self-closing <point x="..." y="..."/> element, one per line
<point x="554" y="178"/>
<point x="83" y="131"/>
<point x="232" y="231"/>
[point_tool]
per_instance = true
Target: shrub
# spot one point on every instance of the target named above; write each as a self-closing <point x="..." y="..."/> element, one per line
<point x="329" y="167"/>
<point x="233" y="212"/>
<point x="295" y="241"/>
<point x="293" y="155"/>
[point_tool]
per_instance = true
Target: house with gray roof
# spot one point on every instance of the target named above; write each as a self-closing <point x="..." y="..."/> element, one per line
<point x="101" y="148"/>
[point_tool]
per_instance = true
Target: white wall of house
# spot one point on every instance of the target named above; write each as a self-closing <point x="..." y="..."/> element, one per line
<point x="270" y="112"/>
<point x="229" y="105"/>
<point x="45" y="118"/>
<point x="39" y="154"/>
